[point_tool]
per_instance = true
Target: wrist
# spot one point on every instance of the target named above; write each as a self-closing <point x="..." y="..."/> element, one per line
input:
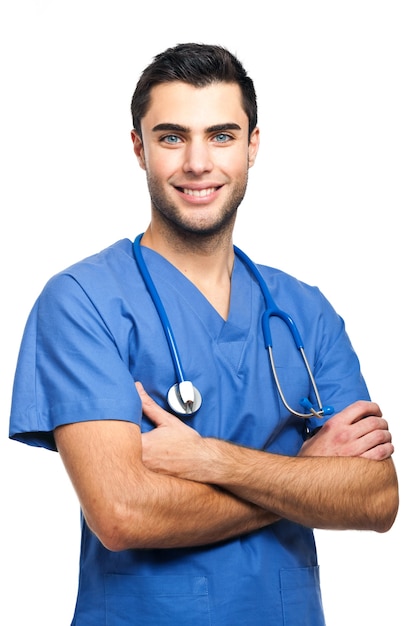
<point x="219" y="461"/>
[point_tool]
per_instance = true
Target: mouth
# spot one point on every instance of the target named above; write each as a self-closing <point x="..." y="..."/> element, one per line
<point x="198" y="193"/>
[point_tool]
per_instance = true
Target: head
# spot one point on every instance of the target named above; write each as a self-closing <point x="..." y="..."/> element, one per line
<point x="198" y="65"/>
<point x="195" y="135"/>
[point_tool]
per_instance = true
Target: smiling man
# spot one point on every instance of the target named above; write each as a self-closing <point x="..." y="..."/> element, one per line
<point x="193" y="143"/>
<point x="206" y="520"/>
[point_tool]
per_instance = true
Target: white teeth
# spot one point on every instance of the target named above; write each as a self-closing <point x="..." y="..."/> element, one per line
<point x="199" y="193"/>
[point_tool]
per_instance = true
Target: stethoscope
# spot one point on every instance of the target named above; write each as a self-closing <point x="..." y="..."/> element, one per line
<point x="183" y="397"/>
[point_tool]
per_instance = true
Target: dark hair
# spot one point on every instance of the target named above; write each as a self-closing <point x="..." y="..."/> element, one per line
<point x="198" y="65"/>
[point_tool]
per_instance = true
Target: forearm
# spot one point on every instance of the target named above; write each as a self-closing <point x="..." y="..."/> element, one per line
<point x="168" y="512"/>
<point x="343" y="478"/>
<point x="127" y="505"/>
<point x="320" y="492"/>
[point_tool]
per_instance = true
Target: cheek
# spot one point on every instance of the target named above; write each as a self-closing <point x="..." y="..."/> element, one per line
<point x="238" y="166"/>
<point x="163" y="166"/>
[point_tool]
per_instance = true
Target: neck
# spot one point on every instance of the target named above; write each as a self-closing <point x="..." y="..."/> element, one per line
<point x="206" y="261"/>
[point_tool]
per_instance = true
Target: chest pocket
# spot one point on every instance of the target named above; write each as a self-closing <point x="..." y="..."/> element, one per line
<point x="162" y="600"/>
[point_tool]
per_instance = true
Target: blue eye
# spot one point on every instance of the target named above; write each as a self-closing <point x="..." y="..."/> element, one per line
<point x="222" y="138"/>
<point x="172" y="139"/>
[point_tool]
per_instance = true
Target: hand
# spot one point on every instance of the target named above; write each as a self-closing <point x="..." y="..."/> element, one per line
<point x="172" y="447"/>
<point x="348" y="434"/>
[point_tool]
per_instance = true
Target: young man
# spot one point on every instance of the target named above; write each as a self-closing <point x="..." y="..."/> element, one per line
<point x="208" y="520"/>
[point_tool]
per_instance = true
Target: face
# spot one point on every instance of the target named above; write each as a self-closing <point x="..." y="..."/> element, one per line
<point x="196" y="155"/>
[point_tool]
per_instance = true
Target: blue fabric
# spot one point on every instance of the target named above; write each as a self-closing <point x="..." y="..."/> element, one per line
<point x="93" y="332"/>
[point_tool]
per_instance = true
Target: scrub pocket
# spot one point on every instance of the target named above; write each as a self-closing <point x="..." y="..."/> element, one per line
<point x="301" y="597"/>
<point x="161" y="600"/>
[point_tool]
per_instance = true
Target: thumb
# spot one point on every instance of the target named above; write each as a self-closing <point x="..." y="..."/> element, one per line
<point x="151" y="409"/>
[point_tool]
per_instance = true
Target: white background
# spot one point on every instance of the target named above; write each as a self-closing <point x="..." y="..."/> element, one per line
<point x="331" y="199"/>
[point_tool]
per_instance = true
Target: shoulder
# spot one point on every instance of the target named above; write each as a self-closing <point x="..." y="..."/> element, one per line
<point x="302" y="301"/>
<point x="286" y="286"/>
<point x="97" y="272"/>
<point x="114" y="257"/>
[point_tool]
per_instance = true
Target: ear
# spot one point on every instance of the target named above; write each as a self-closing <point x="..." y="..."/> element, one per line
<point x="253" y="146"/>
<point x="138" y="149"/>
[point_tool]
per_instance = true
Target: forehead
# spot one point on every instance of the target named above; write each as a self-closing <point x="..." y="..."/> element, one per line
<point x="180" y="103"/>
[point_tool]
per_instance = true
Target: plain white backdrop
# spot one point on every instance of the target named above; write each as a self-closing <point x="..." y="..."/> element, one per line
<point x="331" y="199"/>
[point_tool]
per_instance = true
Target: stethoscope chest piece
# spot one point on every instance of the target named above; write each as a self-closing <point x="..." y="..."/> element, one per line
<point x="184" y="399"/>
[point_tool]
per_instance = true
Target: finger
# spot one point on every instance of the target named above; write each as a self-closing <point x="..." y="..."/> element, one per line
<point x="371" y="424"/>
<point x="360" y="409"/>
<point x="152" y="410"/>
<point x="380" y="452"/>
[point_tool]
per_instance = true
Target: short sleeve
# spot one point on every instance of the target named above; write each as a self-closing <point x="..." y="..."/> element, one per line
<point x="69" y="367"/>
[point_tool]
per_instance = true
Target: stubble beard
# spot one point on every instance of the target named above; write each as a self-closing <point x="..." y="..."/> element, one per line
<point x="179" y="224"/>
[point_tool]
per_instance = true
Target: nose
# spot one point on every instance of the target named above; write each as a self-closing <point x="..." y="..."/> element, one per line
<point x="197" y="157"/>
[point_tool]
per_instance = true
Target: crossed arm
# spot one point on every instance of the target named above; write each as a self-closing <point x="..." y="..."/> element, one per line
<point x="173" y="488"/>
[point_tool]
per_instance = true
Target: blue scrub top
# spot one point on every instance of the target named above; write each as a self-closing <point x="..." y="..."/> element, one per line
<point x="93" y="332"/>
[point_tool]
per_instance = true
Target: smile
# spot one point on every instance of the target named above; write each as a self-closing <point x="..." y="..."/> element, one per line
<point x="199" y="193"/>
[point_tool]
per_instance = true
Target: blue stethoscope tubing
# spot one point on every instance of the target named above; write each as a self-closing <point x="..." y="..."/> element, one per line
<point x="183" y="397"/>
<point x="272" y="310"/>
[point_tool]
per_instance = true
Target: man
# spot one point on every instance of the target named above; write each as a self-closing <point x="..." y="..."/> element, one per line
<point x="207" y="520"/>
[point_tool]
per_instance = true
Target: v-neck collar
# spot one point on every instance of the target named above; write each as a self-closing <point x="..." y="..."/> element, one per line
<point x="168" y="278"/>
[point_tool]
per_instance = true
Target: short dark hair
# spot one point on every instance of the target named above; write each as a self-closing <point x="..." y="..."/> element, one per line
<point x="198" y="65"/>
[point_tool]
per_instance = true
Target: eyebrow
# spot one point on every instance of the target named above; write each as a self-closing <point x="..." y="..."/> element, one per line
<point x="216" y="128"/>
